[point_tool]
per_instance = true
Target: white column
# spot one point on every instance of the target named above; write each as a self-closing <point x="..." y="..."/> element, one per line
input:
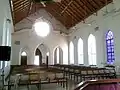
<point x="85" y="44"/>
<point x="75" y="52"/>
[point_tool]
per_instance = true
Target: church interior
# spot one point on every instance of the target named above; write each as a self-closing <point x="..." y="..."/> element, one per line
<point x="59" y="45"/>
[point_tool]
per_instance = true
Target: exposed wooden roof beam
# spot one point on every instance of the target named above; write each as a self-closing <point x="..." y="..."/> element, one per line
<point x="30" y="8"/>
<point x="25" y="1"/>
<point x="86" y="6"/>
<point x="96" y="3"/>
<point x="23" y="6"/>
<point x="68" y="12"/>
<point x="70" y="9"/>
<point x="17" y="2"/>
<point x="92" y="4"/>
<point x="56" y="15"/>
<point x="80" y="10"/>
<point x="21" y="9"/>
<point x="86" y="10"/>
<point x="79" y="14"/>
<point x="67" y="6"/>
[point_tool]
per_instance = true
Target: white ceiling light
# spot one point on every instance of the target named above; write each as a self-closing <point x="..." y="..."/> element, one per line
<point x="42" y="28"/>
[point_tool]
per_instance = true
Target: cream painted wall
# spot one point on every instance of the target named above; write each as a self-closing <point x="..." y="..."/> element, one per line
<point x="29" y="41"/>
<point x="105" y="22"/>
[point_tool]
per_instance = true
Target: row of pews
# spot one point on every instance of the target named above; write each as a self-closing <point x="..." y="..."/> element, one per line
<point x="35" y="75"/>
<point x="82" y="73"/>
<point x="59" y="74"/>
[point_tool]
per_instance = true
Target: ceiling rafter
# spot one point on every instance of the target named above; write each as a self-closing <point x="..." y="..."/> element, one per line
<point x="84" y="7"/>
<point x="73" y="8"/>
<point x="99" y="3"/>
<point x="72" y="12"/>
<point x="22" y="7"/>
<point x="87" y="3"/>
<point x="52" y="11"/>
<point x="96" y="3"/>
<point x="77" y="10"/>
<point x="25" y="1"/>
<point x="72" y="15"/>
<point x="68" y="12"/>
<point x="67" y="6"/>
<point x="81" y="9"/>
<point x="17" y="2"/>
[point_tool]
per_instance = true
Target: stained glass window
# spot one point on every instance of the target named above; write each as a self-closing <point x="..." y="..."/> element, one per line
<point x="110" y="47"/>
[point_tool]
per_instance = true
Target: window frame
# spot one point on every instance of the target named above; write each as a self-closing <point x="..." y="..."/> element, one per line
<point x="110" y="47"/>
<point x="92" y="54"/>
<point x="71" y="52"/>
<point x="80" y="53"/>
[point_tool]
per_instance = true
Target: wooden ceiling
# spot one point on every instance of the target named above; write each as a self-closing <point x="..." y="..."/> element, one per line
<point x="68" y="12"/>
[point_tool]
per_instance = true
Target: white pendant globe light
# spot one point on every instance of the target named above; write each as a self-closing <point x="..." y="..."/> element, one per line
<point x="42" y="28"/>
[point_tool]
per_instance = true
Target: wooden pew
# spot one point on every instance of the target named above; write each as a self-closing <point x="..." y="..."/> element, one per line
<point x="87" y="72"/>
<point x="57" y="76"/>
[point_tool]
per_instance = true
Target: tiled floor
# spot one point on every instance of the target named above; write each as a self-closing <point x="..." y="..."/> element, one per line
<point x="49" y="87"/>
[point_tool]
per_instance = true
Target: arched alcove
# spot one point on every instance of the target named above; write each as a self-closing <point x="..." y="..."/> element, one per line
<point x="38" y="57"/>
<point x="23" y="58"/>
<point x="25" y="52"/>
<point x="92" y="50"/>
<point x="58" y="56"/>
<point x="41" y="54"/>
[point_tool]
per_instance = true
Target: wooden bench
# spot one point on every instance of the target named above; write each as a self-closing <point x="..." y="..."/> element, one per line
<point x="35" y="77"/>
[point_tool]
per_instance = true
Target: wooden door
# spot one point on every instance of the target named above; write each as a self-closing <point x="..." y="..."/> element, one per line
<point x="23" y="60"/>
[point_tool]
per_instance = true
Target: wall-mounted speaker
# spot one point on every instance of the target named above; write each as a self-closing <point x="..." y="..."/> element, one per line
<point x="5" y="53"/>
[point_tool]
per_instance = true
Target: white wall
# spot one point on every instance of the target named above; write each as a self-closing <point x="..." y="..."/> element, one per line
<point x="106" y="22"/>
<point x="30" y="41"/>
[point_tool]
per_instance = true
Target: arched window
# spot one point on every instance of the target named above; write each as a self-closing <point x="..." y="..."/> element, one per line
<point x="92" y="50"/>
<point x="71" y="53"/>
<point x="38" y="57"/>
<point x="23" y="54"/>
<point x="110" y="47"/>
<point x="80" y="52"/>
<point x="58" y="56"/>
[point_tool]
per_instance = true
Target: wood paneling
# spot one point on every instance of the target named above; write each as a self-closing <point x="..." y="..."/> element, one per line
<point x="68" y="12"/>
